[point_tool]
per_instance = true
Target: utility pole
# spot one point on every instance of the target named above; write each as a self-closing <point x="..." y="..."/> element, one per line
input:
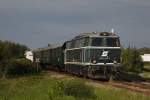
<point x="37" y="64"/>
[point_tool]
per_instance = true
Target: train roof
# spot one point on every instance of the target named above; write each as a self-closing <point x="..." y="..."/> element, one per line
<point x="81" y="35"/>
<point x="95" y="34"/>
<point x="50" y="46"/>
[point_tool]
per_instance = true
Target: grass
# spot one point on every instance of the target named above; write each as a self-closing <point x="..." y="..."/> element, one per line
<point x="146" y="71"/>
<point x="43" y="87"/>
<point x="118" y="94"/>
<point x="145" y="74"/>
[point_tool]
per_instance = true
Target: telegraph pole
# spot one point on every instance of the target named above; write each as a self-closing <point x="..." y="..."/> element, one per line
<point x="37" y="64"/>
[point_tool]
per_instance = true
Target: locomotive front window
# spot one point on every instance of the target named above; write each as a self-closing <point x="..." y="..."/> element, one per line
<point x="106" y="42"/>
<point x="97" y="42"/>
<point x="113" y="42"/>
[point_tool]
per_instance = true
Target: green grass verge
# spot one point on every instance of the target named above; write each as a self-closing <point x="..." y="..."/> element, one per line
<point x="118" y="94"/>
<point x="145" y="75"/>
<point x="146" y="71"/>
<point x="44" y="87"/>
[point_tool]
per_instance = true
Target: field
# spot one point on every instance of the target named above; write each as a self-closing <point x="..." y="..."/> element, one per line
<point x="41" y="87"/>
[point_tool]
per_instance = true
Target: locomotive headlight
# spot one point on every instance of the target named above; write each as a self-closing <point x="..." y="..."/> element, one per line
<point x="94" y="61"/>
<point x="115" y="62"/>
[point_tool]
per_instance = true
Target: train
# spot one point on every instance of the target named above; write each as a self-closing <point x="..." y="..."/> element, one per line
<point x="95" y="55"/>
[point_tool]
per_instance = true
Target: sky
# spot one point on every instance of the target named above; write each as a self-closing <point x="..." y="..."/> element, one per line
<point x="36" y="23"/>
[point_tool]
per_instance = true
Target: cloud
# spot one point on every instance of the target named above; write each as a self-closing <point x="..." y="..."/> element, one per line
<point x="38" y="22"/>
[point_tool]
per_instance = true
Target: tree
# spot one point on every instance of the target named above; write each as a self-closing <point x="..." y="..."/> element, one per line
<point x="144" y="50"/>
<point x="131" y="60"/>
<point x="9" y="51"/>
<point x="138" y="64"/>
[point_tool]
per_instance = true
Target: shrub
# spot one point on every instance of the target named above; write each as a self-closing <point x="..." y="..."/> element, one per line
<point x="79" y="89"/>
<point x="71" y="90"/>
<point x="17" y="67"/>
<point x="57" y="90"/>
<point x="1" y="70"/>
<point x="131" y="60"/>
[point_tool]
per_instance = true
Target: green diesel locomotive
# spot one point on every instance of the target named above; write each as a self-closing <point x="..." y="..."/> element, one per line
<point x="94" y="55"/>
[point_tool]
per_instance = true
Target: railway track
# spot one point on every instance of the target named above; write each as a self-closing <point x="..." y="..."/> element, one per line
<point x="136" y="86"/>
<point x="143" y="88"/>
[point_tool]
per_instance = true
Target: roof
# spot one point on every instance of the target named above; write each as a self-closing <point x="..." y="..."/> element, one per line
<point x="81" y="35"/>
<point x="96" y="34"/>
<point x="50" y="46"/>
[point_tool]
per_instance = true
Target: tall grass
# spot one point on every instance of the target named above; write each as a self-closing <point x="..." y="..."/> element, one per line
<point x="38" y="88"/>
<point x="47" y="88"/>
<point x="76" y="89"/>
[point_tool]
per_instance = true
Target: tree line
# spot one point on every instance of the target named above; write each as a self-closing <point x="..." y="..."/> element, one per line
<point x="12" y="60"/>
<point x="10" y="50"/>
<point x="144" y="50"/>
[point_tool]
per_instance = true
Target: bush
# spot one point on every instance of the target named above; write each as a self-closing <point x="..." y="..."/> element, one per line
<point x="79" y="89"/>
<point x="20" y="67"/>
<point x="10" y="50"/>
<point x="71" y="90"/>
<point x="57" y="90"/>
<point x="131" y="60"/>
<point x="1" y="70"/>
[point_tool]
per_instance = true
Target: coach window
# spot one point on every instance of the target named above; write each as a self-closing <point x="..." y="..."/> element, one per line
<point x="72" y="44"/>
<point x="86" y="41"/>
<point x="68" y="45"/>
<point x="77" y="43"/>
<point x="81" y="42"/>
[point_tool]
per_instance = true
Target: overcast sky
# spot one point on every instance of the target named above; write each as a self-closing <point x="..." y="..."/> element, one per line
<point x="36" y="23"/>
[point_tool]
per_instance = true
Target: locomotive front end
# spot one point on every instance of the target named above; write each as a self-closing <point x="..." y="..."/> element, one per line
<point x="103" y="56"/>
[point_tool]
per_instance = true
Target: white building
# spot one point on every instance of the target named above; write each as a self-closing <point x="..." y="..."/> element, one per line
<point x="29" y="55"/>
<point x="146" y="57"/>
